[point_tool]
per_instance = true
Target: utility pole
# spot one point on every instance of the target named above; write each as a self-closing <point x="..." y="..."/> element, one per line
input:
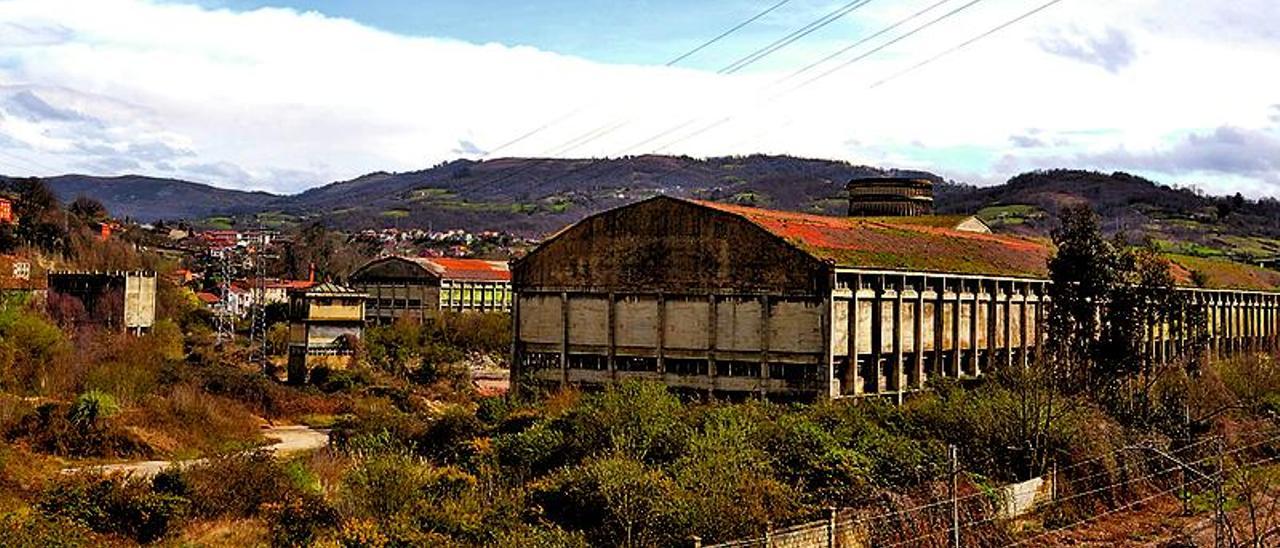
<point x="1220" y="519"/>
<point x="955" y="501"/>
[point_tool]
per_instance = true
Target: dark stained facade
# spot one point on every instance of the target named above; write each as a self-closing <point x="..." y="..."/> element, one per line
<point x="724" y="299"/>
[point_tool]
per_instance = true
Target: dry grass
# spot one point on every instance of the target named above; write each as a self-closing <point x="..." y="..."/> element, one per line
<point x="223" y="532"/>
<point x="186" y="421"/>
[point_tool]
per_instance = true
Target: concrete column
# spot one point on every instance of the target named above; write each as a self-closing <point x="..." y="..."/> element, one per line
<point x="1022" y="326"/>
<point x="766" y="312"/>
<point x="1007" y="310"/>
<point x="899" y="369"/>
<point x="1041" y="302"/>
<point x="939" y="309"/>
<point x="974" y="369"/>
<point x="662" y="333"/>
<point x="992" y="314"/>
<point x="611" y="335"/>
<point x="877" y="334"/>
<point x="854" y="375"/>
<point x="517" y="353"/>
<point x="712" y="321"/>
<point x="564" y="338"/>
<point x="827" y="369"/>
<point x="918" y="337"/>
<point x="954" y="370"/>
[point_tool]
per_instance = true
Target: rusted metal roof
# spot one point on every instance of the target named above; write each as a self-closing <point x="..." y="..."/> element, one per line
<point x="465" y="269"/>
<point x="878" y="244"/>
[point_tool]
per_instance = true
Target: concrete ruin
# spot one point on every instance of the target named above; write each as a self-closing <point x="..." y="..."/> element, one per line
<point x="724" y="299"/>
<point x="117" y="299"/>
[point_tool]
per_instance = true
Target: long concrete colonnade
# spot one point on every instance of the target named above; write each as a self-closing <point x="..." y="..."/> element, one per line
<point x="798" y="345"/>
<point x="968" y="324"/>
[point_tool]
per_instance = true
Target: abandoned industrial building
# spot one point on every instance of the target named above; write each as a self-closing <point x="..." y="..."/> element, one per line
<point x="117" y="299"/>
<point x="725" y="299"/>
<point x="324" y="322"/>
<point x="420" y="287"/>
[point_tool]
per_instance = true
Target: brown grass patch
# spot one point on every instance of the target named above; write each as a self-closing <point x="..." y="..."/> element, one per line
<point x="224" y="532"/>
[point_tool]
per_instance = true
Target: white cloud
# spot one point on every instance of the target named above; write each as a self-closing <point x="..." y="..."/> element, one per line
<point x="278" y="99"/>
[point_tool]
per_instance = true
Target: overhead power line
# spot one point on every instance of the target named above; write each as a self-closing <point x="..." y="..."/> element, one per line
<point x="823" y="75"/>
<point x="750" y="59"/>
<point x="921" y="28"/>
<point x="789" y="39"/>
<point x="967" y="43"/>
<point x="726" y="33"/>
<point x="672" y="62"/>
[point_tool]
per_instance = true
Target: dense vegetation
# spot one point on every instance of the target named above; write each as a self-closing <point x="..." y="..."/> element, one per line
<point x="418" y="457"/>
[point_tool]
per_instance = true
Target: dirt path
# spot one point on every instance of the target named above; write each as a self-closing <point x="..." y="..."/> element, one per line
<point x="292" y="439"/>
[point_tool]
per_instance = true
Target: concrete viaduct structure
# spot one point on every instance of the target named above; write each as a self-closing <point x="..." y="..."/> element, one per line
<point x="731" y="300"/>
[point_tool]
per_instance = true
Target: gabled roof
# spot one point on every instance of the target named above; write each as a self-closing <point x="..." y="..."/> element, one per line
<point x="466" y="269"/>
<point x="443" y="268"/>
<point x="954" y="222"/>
<point x="876" y="244"/>
<point x="330" y="289"/>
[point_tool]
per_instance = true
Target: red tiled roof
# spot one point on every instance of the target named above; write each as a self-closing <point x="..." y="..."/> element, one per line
<point x="207" y="298"/>
<point x="466" y="269"/>
<point x="875" y="244"/>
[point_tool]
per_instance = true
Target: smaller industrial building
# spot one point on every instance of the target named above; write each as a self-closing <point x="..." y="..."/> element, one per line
<point x="324" y="321"/>
<point x="116" y="299"/>
<point x="420" y="288"/>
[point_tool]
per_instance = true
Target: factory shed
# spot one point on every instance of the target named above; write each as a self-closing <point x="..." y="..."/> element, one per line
<point x="418" y="288"/>
<point x="729" y="300"/>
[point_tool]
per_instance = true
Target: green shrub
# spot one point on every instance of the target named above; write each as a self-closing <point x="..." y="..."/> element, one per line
<point x="91" y="406"/>
<point x="50" y="429"/>
<point x="25" y="529"/>
<point x="112" y="504"/>
<point x="299" y="518"/>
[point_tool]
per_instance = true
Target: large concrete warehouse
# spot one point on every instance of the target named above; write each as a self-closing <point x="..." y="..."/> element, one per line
<point x="726" y="299"/>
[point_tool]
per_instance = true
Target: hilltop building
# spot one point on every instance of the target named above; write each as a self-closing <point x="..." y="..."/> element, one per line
<point x="730" y="300"/>
<point x="890" y="196"/>
<point x="117" y="299"/>
<point x="420" y="287"/>
<point x="323" y="322"/>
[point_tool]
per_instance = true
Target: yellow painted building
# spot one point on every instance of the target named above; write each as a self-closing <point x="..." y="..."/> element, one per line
<point x="324" y="322"/>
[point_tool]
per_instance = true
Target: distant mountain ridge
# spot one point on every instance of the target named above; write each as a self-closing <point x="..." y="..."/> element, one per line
<point x="151" y="198"/>
<point x="516" y="194"/>
<point x="536" y="196"/>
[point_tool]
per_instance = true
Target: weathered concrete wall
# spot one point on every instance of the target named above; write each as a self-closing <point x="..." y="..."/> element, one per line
<point x="697" y="298"/>
<point x="140" y="300"/>
<point x="714" y="343"/>
<point x="669" y="245"/>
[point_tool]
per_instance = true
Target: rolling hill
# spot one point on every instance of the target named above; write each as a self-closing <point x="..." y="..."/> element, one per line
<point x="150" y="198"/>
<point x="535" y="196"/>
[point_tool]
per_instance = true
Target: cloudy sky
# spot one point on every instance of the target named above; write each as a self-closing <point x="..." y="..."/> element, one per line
<point x="282" y="95"/>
